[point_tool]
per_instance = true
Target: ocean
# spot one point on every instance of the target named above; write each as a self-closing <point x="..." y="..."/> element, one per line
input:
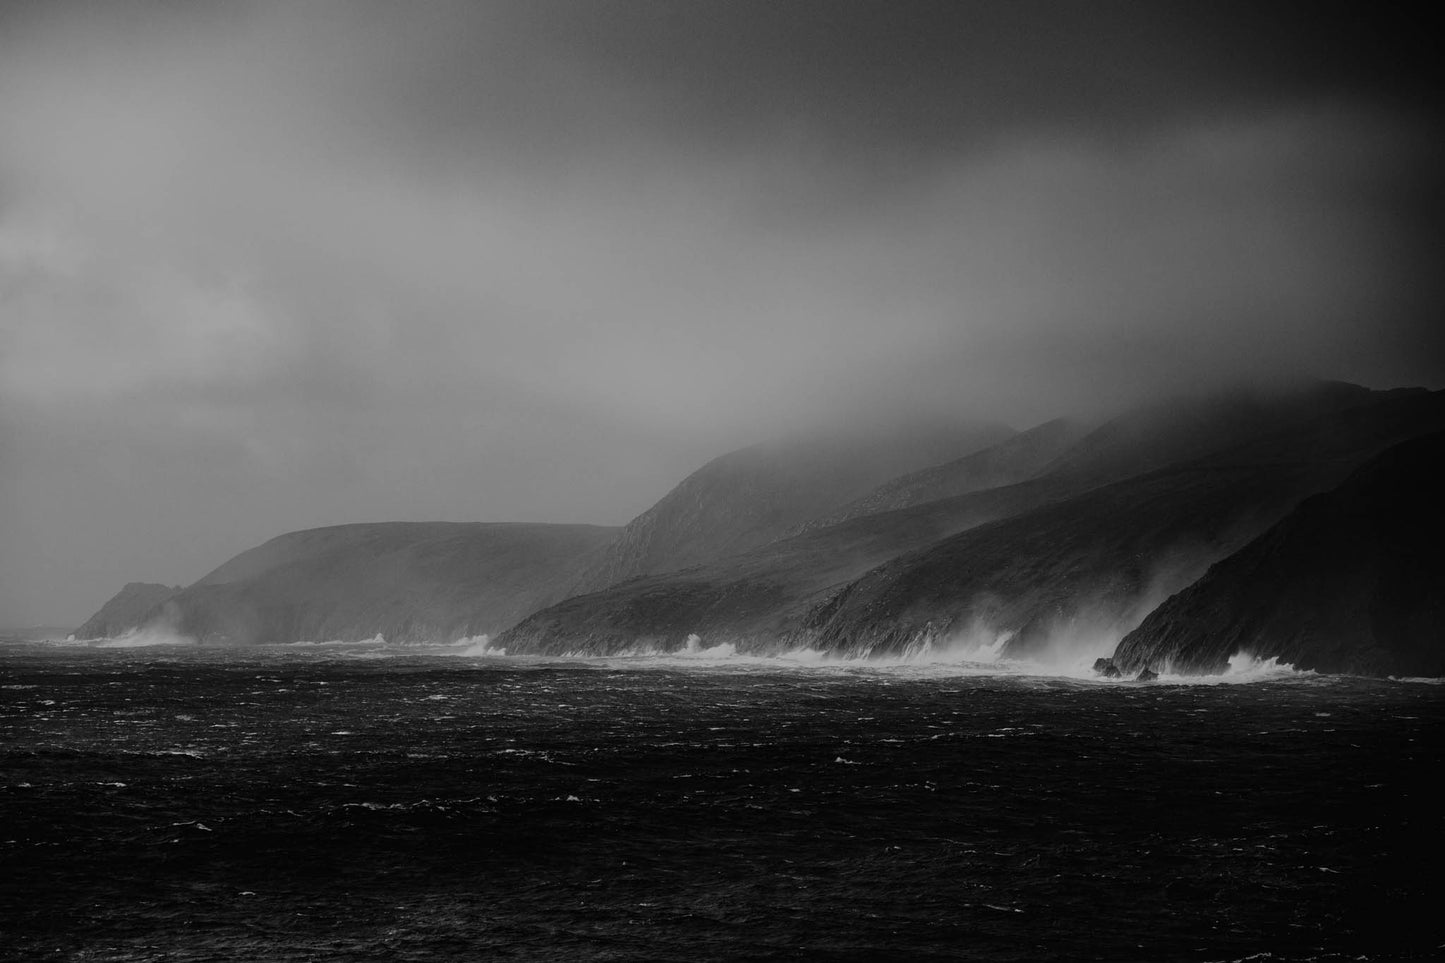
<point x="375" y="802"/>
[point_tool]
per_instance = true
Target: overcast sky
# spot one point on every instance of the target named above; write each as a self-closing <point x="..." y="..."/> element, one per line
<point x="266" y="266"/>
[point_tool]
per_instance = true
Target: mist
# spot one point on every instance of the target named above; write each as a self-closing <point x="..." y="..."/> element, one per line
<point x="267" y="266"/>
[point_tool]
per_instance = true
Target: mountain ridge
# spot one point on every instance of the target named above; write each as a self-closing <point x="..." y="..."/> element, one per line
<point x="1010" y="461"/>
<point x="408" y="581"/>
<point x="1081" y="552"/>
<point x="771" y="595"/>
<point x="756" y="494"/>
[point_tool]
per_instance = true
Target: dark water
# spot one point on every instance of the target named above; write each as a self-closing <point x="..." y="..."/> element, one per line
<point x="169" y="805"/>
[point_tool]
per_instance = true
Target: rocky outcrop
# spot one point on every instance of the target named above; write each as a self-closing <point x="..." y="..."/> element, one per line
<point x="1352" y="580"/>
<point x="426" y="581"/>
<point x="126" y="611"/>
<point x="1106" y="669"/>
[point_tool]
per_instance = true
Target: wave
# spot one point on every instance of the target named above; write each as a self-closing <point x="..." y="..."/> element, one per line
<point x="143" y="639"/>
<point x="155" y="634"/>
<point x="332" y="643"/>
<point x="978" y="657"/>
<point x="377" y="647"/>
<point x="982" y="658"/>
<point x="694" y="649"/>
<point x="971" y="655"/>
<point x="476" y="646"/>
<point x="1243" y="667"/>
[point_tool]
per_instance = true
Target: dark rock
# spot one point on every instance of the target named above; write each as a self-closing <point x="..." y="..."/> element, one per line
<point x="1106" y="668"/>
<point x="1145" y="675"/>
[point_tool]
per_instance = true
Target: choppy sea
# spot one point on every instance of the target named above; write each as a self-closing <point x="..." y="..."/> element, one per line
<point x="375" y="802"/>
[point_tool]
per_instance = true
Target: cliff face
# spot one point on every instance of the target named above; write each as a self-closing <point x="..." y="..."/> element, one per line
<point x="1075" y="556"/>
<point x="756" y="598"/>
<point x="430" y="581"/>
<point x="755" y="495"/>
<point x="1055" y="560"/>
<point x="126" y="610"/>
<point x="1064" y="576"/>
<point x="1350" y="581"/>
<point x="1069" y="579"/>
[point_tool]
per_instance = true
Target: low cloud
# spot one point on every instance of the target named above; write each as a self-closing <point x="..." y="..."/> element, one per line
<point x="273" y="265"/>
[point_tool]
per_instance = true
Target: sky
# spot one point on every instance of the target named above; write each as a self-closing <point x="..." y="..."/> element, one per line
<point x="275" y="265"/>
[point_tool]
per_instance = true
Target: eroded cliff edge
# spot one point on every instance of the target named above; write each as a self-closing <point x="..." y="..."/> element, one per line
<point x="1352" y="580"/>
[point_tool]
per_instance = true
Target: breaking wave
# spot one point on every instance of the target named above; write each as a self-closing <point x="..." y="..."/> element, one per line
<point x="143" y="638"/>
<point x="973" y="654"/>
<point x="1243" y="667"/>
<point x="333" y="643"/>
<point x="977" y="657"/>
<point x="970" y="654"/>
<point x="694" y="649"/>
<point x="476" y="646"/>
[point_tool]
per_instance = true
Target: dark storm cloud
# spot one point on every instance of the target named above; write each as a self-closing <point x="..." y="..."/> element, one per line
<point x="271" y="265"/>
<point x="872" y="75"/>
